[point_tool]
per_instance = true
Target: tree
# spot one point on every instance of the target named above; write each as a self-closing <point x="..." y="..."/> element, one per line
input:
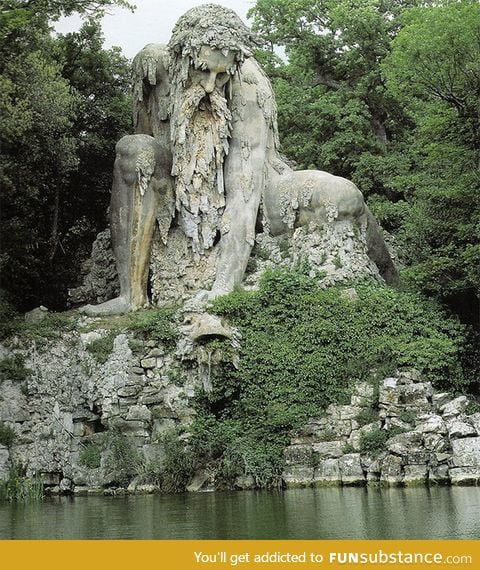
<point x="434" y="71"/>
<point x="335" y="49"/>
<point x="44" y="143"/>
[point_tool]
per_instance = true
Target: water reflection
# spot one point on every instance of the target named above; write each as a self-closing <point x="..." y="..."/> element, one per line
<point x="331" y="513"/>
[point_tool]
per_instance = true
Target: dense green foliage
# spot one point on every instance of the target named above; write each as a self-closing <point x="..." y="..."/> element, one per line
<point x="63" y="105"/>
<point x="13" y="368"/>
<point x="7" y="435"/>
<point x="90" y="456"/>
<point x="302" y="348"/>
<point x="102" y="347"/>
<point x="122" y="460"/>
<point x="372" y="443"/>
<point x="156" y="325"/>
<point x="20" y="489"/>
<point x="389" y="97"/>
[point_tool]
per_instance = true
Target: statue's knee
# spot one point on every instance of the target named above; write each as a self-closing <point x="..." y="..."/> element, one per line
<point x="130" y="146"/>
<point x="130" y="151"/>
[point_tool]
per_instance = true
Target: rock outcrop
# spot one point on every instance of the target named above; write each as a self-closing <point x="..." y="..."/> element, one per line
<point x="414" y="436"/>
<point x="71" y="402"/>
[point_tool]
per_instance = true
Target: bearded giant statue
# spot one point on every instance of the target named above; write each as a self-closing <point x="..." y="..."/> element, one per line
<point x="202" y="176"/>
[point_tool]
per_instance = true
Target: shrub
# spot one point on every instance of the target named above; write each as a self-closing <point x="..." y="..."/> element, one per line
<point x="19" y="488"/>
<point x="367" y="415"/>
<point x="407" y="416"/>
<point x="373" y="443"/>
<point x="7" y="435"/>
<point x="50" y="327"/>
<point x="156" y="324"/>
<point x="122" y="460"/>
<point x="13" y="368"/>
<point x="348" y="448"/>
<point x="178" y="467"/>
<point x="472" y="408"/>
<point x="101" y="348"/>
<point x="90" y="456"/>
<point x="303" y="348"/>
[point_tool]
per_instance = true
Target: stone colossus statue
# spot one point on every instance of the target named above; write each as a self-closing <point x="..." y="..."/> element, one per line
<point x="204" y="168"/>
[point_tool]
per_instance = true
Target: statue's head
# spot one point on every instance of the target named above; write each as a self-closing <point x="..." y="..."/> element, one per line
<point x="211" y="26"/>
<point x="208" y="45"/>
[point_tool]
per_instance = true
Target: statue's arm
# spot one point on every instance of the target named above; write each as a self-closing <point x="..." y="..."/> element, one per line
<point x="244" y="182"/>
<point x="151" y="92"/>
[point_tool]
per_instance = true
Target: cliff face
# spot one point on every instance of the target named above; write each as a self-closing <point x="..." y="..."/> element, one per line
<point x="76" y="394"/>
<point x="74" y="417"/>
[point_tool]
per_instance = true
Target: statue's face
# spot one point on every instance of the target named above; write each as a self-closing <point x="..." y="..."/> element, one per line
<point x="212" y="68"/>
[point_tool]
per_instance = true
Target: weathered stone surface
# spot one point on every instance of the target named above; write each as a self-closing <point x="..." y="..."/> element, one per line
<point x="432" y="424"/>
<point x="100" y="281"/>
<point x="363" y="394"/>
<point x="458" y="429"/>
<point x="405" y="443"/>
<point x="206" y="325"/>
<point x="345" y="412"/>
<point x="415" y="474"/>
<point x="342" y="428"/>
<point x="474" y="419"/>
<point x="153" y="398"/>
<point x="389" y="393"/>
<point x="129" y="392"/>
<point x="148" y="363"/>
<point x="373" y="468"/>
<point x="465" y="475"/>
<point x="466" y="452"/>
<point x="142" y="489"/>
<point x="439" y="475"/>
<point x="408" y="376"/>
<point x="443" y="457"/>
<point x="302" y="454"/>
<point x="416" y="395"/>
<point x="298" y="475"/>
<point x="435" y="442"/>
<point x="328" y="449"/>
<point x="356" y="436"/>
<point x="87" y="338"/>
<point x="455" y="407"/>
<point x="13" y="403"/>
<point x="393" y="422"/>
<point x="36" y="315"/>
<point x="439" y="399"/>
<point x="156" y="352"/>
<point x="128" y="427"/>
<point x="139" y="413"/>
<point x="351" y="469"/>
<point x="66" y="485"/>
<point x="245" y="482"/>
<point x="327" y="472"/>
<point x="202" y="481"/>
<point x="392" y="470"/>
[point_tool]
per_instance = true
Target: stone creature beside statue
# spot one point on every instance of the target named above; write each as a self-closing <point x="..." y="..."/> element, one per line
<point x="202" y="175"/>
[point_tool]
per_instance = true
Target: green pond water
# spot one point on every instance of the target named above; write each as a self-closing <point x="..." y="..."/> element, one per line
<point x="331" y="513"/>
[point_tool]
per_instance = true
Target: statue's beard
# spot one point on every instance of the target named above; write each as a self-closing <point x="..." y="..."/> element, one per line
<point x="200" y="132"/>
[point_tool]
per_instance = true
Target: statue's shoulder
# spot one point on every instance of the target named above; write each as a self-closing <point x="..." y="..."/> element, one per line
<point x="251" y="73"/>
<point x="259" y="89"/>
<point x="151" y="63"/>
